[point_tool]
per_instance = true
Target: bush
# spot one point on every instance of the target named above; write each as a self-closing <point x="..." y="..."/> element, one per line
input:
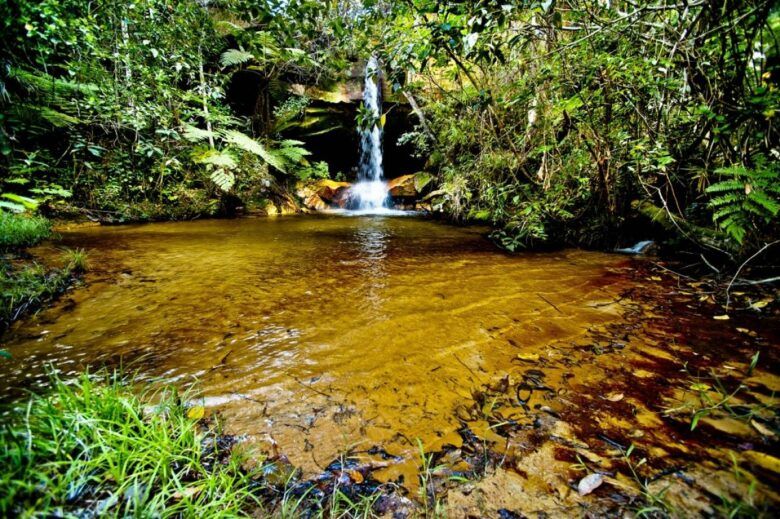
<point x="17" y="231"/>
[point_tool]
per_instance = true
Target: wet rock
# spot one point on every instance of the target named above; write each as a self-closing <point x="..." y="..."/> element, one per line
<point x="317" y="195"/>
<point x="395" y="506"/>
<point x="409" y="186"/>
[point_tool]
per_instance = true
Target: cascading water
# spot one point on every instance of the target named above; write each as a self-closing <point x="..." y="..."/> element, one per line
<point x="370" y="191"/>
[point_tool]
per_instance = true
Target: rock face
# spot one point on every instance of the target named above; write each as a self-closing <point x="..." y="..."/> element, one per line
<point x="318" y="195"/>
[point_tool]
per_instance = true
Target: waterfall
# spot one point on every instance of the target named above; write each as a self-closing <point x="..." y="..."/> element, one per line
<point x="370" y="191"/>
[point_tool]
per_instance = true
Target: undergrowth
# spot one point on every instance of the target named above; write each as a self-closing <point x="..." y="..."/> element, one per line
<point x="92" y="447"/>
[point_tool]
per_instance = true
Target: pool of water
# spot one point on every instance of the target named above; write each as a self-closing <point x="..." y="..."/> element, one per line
<point x="387" y="316"/>
<point x="322" y="334"/>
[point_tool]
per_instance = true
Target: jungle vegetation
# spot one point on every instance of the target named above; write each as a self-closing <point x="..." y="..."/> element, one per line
<point x="556" y="121"/>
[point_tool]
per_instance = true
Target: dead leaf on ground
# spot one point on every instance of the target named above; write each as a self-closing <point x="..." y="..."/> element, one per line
<point x="763" y="429"/>
<point x="589" y="483"/>
<point x="196" y="413"/>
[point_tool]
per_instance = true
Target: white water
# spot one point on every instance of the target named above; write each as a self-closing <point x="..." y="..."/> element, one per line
<point x="370" y="191"/>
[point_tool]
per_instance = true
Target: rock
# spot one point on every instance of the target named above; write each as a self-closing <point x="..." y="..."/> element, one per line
<point x="318" y="195"/>
<point x="409" y="186"/>
<point x="315" y="203"/>
<point x="326" y="189"/>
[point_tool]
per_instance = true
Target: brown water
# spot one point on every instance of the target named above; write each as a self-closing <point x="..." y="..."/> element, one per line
<point x="329" y="333"/>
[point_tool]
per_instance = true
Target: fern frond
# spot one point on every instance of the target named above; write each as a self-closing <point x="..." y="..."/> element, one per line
<point x="194" y="134"/>
<point x="764" y="201"/>
<point x="248" y="144"/>
<point x="233" y="57"/>
<point x="45" y="82"/>
<point x="726" y="185"/>
<point x="224" y="179"/>
<point x="215" y="158"/>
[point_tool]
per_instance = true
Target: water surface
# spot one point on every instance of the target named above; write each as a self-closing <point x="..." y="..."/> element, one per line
<point x="321" y="331"/>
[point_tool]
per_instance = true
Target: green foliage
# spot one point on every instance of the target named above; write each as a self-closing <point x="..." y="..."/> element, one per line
<point x="746" y="201"/>
<point x="76" y="260"/>
<point x="95" y="446"/>
<point x="555" y="117"/>
<point x="17" y="231"/>
<point x="233" y="57"/>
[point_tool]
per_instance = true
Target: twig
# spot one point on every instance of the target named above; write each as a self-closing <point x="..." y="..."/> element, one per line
<point x="549" y="303"/>
<point x="736" y="274"/>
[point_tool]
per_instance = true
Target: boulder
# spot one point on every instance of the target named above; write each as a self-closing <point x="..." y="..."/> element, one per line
<point x="315" y="203"/>
<point x="319" y="194"/>
<point x="409" y="186"/>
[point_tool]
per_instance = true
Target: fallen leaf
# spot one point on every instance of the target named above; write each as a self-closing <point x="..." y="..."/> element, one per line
<point x="698" y="386"/>
<point x="763" y="429"/>
<point x="196" y="413"/>
<point x="355" y="476"/>
<point x="188" y="492"/>
<point x="723" y="317"/>
<point x="655" y="278"/>
<point x="615" y="397"/>
<point x="589" y="483"/>
<point x="528" y="357"/>
<point x="760" y="304"/>
<point x="743" y="330"/>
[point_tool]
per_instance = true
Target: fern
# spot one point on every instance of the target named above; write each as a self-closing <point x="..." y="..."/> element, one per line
<point x="215" y="158"/>
<point x="45" y="82"/>
<point x="223" y="178"/>
<point x="293" y="151"/>
<point x="250" y="145"/>
<point x="233" y="57"/>
<point x="744" y="200"/>
<point x="194" y="134"/>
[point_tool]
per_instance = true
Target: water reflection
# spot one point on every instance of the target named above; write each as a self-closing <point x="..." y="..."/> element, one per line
<point x="371" y="241"/>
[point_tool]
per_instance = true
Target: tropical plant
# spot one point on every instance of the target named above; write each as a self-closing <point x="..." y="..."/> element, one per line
<point x="745" y="201"/>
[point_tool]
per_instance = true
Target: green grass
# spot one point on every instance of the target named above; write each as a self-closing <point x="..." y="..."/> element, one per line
<point x="76" y="260"/>
<point x="17" y="231"/>
<point x="93" y="447"/>
<point x="25" y="289"/>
